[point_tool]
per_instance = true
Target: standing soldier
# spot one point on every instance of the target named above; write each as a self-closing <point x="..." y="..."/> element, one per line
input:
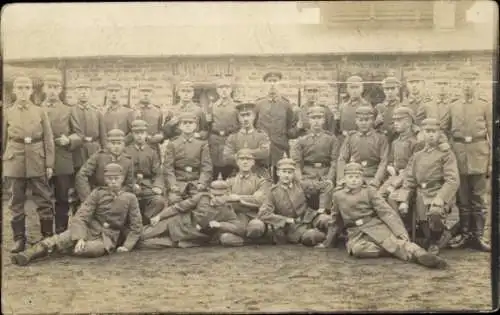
<point x="116" y="115"/>
<point x="66" y="140"/>
<point x="439" y="108"/>
<point x="416" y="98"/>
<point x="28" y="159"/>
<point x="253" y="139"/>
<point x="185" y="91"/>
<point x="187" y="165"/>
<point x="223" y="123"/>
<point x="433" y="172"/>
<point x="365" y="146"/>
<point x="311" y="95"/>
<point x="385" y="110"/>
<point x="471" y="133"/>
<point x="346" y="115"/>
<point x="91" y="174"/>
<point x="147" y="111"/>
<point x="88" y="123"/>
<point x="276" y="117"/>
<point x="148" y="173"/>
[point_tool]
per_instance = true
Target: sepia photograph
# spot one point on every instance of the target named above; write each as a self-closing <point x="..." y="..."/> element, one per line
<point x="249" y="157"/>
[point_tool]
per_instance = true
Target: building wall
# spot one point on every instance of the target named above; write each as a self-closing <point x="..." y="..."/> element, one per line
<point x="248" y="71"/>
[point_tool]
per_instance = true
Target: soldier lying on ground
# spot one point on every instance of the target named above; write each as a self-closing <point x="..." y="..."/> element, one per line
<point x="373" y="227"/>
<point x="95" y="228"/>
<point x="285" y="217"/>
<point x="203" y="219"/>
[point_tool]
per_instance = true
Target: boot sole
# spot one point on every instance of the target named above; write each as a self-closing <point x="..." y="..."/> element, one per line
<point x="432" y="261"/>
<point x="19" y="260"/>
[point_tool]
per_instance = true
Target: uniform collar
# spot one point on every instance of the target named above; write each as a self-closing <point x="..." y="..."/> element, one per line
<point x="405" y="135"/>
<point x="415" y="98"/>
<point x="368" y="133"/>
<point x="224" y="102"/>
<point x="244" y="176"/>
<point x="113" y="107"/>
<point x="429" y="148"/>
<point x="187" y="139"/>
<point x="140" y="148"/>
<point x="145" y="105"/>
<point x="354" y="102"/>
<point x="315" y="134"/>
<point x="352" y="191"/>
<point x="24" y="105"/>
<point x="392" y="102"/>
<point x="287" y="186"/>
<point x="250" y="131"/>
<point x="84" y="106"/>
<point x="46" y="103"/>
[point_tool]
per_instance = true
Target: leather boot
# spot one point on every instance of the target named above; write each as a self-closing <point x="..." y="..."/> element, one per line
<point x="429" y="260"/>
<point x="47" y="227"/>
<point x="477" y="241"/>
<point x="61" y="217"/>
<point x="24" y="258"/>
<point x="19" y="233"/>
<point x="462" y="239"/>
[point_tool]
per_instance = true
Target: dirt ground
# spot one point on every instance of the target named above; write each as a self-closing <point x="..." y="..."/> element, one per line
<point x="254" y="278"/>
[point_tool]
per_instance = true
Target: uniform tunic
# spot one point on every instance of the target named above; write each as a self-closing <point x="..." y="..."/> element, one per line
<point x="119" y="117"/>
<point x="347" y="114"/>
<point x="416" y="103"/>
<point x="224" y="123"/>
<point x="439" y="109"/>
<point x="384" y="121"/>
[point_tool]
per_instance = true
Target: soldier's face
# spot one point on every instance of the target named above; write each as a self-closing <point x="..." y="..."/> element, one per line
<point x="224" y="91"/>
<point x="23" y="91"/>
<point x="311" y="95"/>
<point x="187" y="126"/>
<point x="353" y="181"/>
<point x="272" y="85"/>
<point x="468" y="85"/>
<point x="431" y="136"/>
<point x="354" y="91"/>
<point x="364" y="123"/>
<point x="52" y="90"/>
<point x="140" y="136"/>
<point x="286" y="175"/>
<point x="114" y="182"/>
<point x="246" y="118"/>
<point x="113" y="94"/>
<point x="442" y="87"/>
<point x="245" y="164"/>
<point x="415" y="87"/>
<point x="116" y="147"/>
<point x="316" y="122"/>
<point x="186" y="94"/>
<point x="391" y="92"/>
<point x="401" y="124"/>
<point x="145" y="95"/>
<point x="83" y="93"/>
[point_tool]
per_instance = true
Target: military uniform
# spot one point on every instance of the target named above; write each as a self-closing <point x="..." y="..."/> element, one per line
<point x="385" y="110"/>
<point x="117" y="116"/>
<point x="148" y="175"/>
<point x="373" y="227"/>
<point x="370" y="149"/>
<point x="28" y="151"/>
<point x="416" y="102"/>
<point x="253" y="139"/>
<point x="91" y="174"/>
<point x="187" y="163"/>
<point x="188" y="223"/>
<point x="64" y="168"/>
<point x="289" y="202"/>
<point x="433" y="173"/>
<point x="99" y="221"/>
<point x="471" y="138"/>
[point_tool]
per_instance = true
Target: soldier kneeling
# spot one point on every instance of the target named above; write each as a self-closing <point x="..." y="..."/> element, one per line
<point x="373" y="227"/>
<point x="96" y="226"/>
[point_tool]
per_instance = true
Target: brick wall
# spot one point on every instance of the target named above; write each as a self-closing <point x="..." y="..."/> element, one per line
<point x="248" y="72"/>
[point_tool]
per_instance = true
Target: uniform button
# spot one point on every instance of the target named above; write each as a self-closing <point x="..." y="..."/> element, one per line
<point x="27" y="140"/>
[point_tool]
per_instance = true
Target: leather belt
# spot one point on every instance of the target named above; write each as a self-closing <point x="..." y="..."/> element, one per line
<point x="317" y="165"/>
<point x="469" y="139"/>
<point x="26" y="140"/>
<point x="431" y="184"/>
<point x="359" y="222"/>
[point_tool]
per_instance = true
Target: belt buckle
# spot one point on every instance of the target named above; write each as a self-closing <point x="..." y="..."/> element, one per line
<point x="468" y="139"/>
<point x="105" y="225"/>
<point x="364" y="163"/>
<point x="222" y="133"/>
<point x="423" y="185"/>
<point x="139" y="176"/>
<point x="27" y="140"/>
<point x="344" y="133"/>
<point x="88" y="139"/>
<point x="358" y="222"/>
<point x="188" y="169"/>
<point x="318" y="165"/>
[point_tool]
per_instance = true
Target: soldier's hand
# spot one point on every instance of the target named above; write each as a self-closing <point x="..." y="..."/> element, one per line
<point x="80" y="246"/>
<point x="137" y="188"/>
<point x="121" y="249"/>
<point x="290" y="220"/>
<point x="321" y="210"/>
<point x="49" y="172"/>
<point x="391" y="170"/>
<point x="157" y="190"/>
<point x="62" y="140"/>
<point x="214" y="224"/>
<point x="198" y="227"/>
<point x="154" y="220"/>
<point x="438" y="202"/>
<point x="403" y="207"/>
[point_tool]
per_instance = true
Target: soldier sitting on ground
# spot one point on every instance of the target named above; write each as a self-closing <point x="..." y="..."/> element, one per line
<point x="91" y="174"/>
<point x="285" y="216"/>
<point x="201" y="220"/>
<point x="187" y="164"/>
<point x="148" y="172"/>
<point x="95" y="228"/>
<point x="373" y="227"/>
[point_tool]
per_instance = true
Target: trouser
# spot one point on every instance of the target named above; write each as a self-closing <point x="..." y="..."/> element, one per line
<point x="472" y="204"/>
<point x="62" y="185"/>
<point x="225" y="171"/>
<point x="41" y="195"/>
<point x="63" y="243"/>
<point x="150" y="206"/>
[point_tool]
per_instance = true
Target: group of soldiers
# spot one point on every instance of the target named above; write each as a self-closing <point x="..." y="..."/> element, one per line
<point x="381" y="178"/>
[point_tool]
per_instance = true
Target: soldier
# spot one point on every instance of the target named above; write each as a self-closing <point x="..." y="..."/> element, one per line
<point x="28" y="159"/>
<point x="373" y="227"/>
<point x="187" y="165"/>
<point x="248" y="191"/>
<point x="346" y="113"/>
<point x="311" y="100"/>
<point x="253" y="139"/>
<point x="223" y="123"/>
<point x="203" y="219"/>
<point x="285" y="217"/>
<point x="66" y="140"/>
<point x="365" y="146"/>
<point x="275" y="117"/>
<point x="91" y="174"/>
<point x="416" y="98"/>
<point x="185" y="90"/>
<point x="148" y="173"/>
<point x="88" y="123"/>
<point x="433" y="172"/>
<point x="439" y="108"/>
<point x="316" y="152"/>
<point x="95" y="228"/>
<point x="147" y="111"/>
<point x="385" y="110"/>
<point x="471" y="133"/>
<point x="116" y="115"/>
